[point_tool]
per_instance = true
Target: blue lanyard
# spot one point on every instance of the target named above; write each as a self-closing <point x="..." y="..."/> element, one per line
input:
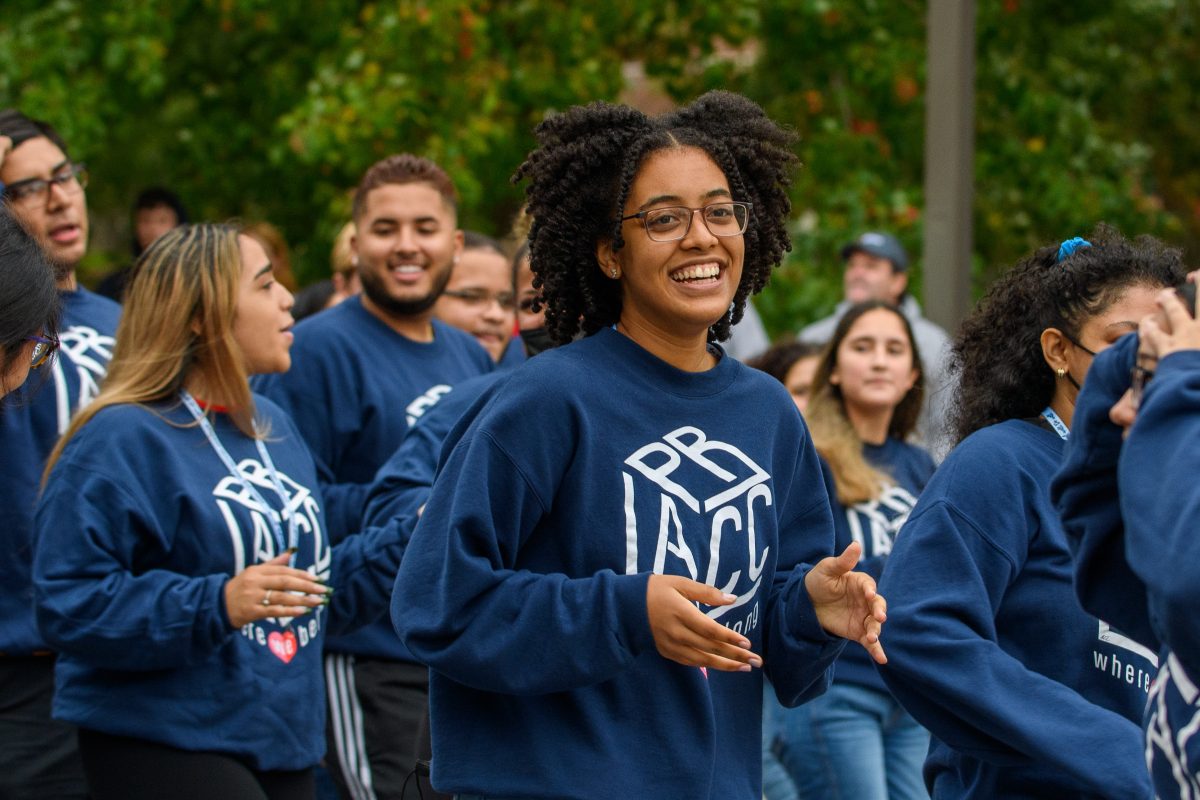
<point x="1056" y="422"/>
<point x="272" y="516"/>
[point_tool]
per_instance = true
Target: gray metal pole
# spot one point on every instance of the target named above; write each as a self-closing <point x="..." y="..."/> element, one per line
<point x="949" y="160"/>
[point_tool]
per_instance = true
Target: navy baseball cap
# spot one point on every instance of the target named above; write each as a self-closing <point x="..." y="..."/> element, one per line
<point x="880" y="245"/>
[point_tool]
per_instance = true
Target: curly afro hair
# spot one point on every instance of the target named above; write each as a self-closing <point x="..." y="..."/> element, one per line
<point x="579" y="177"/>
<point x="997" y="355"/>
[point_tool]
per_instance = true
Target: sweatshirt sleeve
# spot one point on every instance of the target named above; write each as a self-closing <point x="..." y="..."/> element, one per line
<point x="93" y="604"/>
<point x="1161" y="504"/>
<point x="315" y="395"/>
<point x="1086" y="495"/>
<point x="364" y="571"/>
<point x="945" y="581"/>
<point x="799" y="654"/>
<point x="463" y="608"/>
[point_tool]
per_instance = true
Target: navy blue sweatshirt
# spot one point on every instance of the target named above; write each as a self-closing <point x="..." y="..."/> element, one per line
<point x="31" y="420"/>
<point x="140" y="527"/>
<point x="593" y="467"/>
<point x="1026" y="694"/>
<point x="874" y="524"/>
<point x="402" y="484"/>
<point x="1135" y="555"/>
<point x="354" y="389"/>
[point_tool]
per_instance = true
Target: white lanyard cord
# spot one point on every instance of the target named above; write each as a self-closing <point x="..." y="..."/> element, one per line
<point x="227" y="460"/>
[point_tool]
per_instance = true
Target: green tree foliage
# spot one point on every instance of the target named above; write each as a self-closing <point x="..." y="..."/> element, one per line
<point x="272" y="110"/>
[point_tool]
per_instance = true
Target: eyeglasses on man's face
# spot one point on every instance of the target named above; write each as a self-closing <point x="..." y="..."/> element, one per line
<point x="71" y="178"/>
<point x="482" y="297"/>
<point x="43" y="348"/>
<point x="672" y="223"/>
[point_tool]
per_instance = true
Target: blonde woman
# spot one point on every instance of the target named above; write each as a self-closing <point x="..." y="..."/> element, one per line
<point x="182" y="569"/>
<point x="856" y="741"/>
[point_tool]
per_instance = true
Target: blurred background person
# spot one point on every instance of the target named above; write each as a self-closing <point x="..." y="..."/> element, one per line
<point x="856" y="741"/>
<point x="342" y="283"/>
<point x="155" y="211"/>
<point x="44" y="188"/>
<point x="794" y="364"/>
<point x="479" y="298"/>
<point x="272" y="241"/>
<point x="876" y="268"/>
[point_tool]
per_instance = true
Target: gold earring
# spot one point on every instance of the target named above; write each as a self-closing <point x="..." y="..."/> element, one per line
<point x="613" y="272"/>
<point x="1060" y="372"/>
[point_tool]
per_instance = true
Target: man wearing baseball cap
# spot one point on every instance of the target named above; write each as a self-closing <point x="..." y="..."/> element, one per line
<point x="877" y="269"/>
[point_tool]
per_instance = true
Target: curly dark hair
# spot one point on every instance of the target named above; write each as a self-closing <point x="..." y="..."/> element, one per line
<point x="997" y="355"/>
<point x="580" y="175"/>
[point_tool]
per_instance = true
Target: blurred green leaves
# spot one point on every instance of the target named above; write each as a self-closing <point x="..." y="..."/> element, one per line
<point x="272" y="111"/>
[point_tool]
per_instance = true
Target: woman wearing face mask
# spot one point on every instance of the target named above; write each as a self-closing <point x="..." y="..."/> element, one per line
<point x="855" y="741"/>
<point x="1026" y="695"/>
<point x="632" y="547"/>
<point x="1133" y="542"/>
<point x="28" y="304"/>
<point x="182" y="570"/>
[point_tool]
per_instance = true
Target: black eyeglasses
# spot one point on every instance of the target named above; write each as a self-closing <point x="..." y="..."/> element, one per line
<point x="43" y="348"/>
<point x="1139" y="376"/>
<point x="672" y="223"/>
<point x="481" y="297"/>
<point x="1073" y="341"/>
<point x="71" y="178"/>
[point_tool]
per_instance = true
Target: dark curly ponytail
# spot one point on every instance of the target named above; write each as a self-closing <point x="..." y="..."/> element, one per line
<point x="579" y="178"/>
<point x="997" y="354"/>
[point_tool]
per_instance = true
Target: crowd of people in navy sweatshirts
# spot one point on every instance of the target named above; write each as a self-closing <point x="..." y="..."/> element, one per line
<point x="547" y="519"/>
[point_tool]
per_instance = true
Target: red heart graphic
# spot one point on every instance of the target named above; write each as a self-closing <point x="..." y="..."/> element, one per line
<point x="283" y="645"/>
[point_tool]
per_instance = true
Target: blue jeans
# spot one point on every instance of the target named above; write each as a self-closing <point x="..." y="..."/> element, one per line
<point x="776" y="782"/>
<point x="853" y="743"/>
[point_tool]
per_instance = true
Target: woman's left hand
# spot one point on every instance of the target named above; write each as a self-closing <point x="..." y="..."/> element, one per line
<point x="846" y="602"/>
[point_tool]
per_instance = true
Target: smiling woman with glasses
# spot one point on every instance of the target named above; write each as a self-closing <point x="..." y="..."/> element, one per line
<point x="634" y="529"/>
<point x="28" y="305"/>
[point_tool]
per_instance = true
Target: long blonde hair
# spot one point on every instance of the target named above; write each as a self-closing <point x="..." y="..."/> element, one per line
<point x="833" y="435"/>
<point x="178" y="321"/>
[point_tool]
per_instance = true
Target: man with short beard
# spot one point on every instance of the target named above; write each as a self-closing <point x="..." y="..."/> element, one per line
<point x="362" y="373"/>
<point x="44" y="189"/>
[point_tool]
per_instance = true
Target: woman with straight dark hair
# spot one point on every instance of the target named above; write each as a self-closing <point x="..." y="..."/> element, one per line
<point x="182" y="570"/>
<point x="1025" y="693"/>
<point x="28" y="304"/>
<point x="634" y="526"/>
<point x="856" y="741"/>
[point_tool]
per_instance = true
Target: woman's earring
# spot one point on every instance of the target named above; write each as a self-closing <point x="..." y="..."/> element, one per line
<point x="613" y="272"/>
<point x="1060" y="372"/>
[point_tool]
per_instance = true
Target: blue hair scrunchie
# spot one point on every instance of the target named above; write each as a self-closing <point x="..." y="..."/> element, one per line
<point x="1070" y="246"/>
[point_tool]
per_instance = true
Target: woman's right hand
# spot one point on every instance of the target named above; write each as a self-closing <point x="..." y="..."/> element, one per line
<point x="685" y="634"/>
<point x="273" y="583"/>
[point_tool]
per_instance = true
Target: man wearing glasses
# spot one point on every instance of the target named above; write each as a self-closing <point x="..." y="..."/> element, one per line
<point x="44" y="189"/>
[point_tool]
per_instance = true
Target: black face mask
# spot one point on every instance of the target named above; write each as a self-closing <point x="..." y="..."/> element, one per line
<point x="536" y="340"/>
